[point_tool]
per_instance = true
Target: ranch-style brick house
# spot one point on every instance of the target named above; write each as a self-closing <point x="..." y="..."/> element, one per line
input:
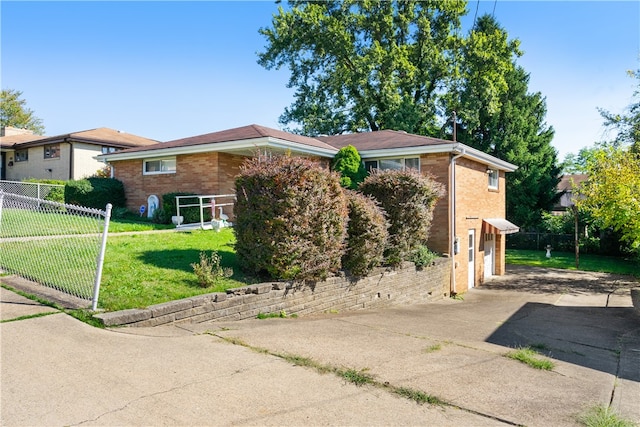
<point x="469" y="222"/>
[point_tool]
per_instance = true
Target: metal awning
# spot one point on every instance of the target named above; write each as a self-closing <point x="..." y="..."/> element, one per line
<point x="498" y="226"/>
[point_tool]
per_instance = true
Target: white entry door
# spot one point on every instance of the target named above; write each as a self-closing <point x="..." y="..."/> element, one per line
<point x="489" y="255"/>
<point x="472" y="259"/>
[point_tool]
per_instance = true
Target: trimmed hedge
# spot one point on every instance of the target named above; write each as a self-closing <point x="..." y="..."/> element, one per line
<point x="95" y="192"/>
<point x="290" y="218"/>
<point x="408" y="198"/>
<point x="367" y="235"/>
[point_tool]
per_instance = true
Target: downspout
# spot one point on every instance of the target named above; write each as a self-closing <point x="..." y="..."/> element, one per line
<point x="452" y="219"/>
<point x="71" y="160"/>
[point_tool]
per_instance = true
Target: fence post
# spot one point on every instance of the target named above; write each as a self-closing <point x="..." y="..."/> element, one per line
<point x="96" y="286"/>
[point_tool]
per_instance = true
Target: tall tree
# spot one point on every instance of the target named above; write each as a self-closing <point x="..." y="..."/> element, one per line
<point x="14" y="112"/>
<point x="628" y="123"/>
<point x="500" y="117"/>
<point x="361" y="65"/>
<point x="612" y="193"/>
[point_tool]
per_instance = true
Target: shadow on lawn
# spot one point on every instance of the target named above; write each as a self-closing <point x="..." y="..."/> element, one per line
<point x="181" y="259"/>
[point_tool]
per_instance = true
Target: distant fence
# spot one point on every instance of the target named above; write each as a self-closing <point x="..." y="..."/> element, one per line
<point x="538" y="241"/>
<point x="54" y="244"/>
<point x="604" y="243"/>
<point x="31" y="189"/>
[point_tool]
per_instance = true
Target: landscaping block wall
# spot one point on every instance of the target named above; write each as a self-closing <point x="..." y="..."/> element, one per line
<point x="383" y="288"/>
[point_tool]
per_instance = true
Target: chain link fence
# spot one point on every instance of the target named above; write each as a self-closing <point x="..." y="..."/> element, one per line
<point x="54" y="244"/>
<point x="36" y="190"/>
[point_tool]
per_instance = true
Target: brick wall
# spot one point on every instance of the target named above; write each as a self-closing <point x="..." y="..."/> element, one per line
<point x="203" y="173"/>
<point x="437" y="165"/>
<point x="384" y="288"/>
<point x="475" y="201"/>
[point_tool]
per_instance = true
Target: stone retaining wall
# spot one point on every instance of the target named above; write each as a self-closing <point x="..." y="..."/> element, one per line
<point x="384" y="288"/>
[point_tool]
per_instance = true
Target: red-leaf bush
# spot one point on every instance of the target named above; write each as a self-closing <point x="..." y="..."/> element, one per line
<point x="367" y="235"/>
<point x="290" y="218"/>
<point x="408" y="198"/>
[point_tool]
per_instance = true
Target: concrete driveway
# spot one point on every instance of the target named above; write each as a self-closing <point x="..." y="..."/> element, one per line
<point x="58" y="371"/>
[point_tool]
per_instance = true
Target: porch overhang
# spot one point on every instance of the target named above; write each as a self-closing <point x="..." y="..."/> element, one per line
<point x="498" y="226"/>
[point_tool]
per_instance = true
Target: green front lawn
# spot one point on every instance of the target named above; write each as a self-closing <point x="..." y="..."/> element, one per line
<point x="150" y="268"/>
<point x="567" y="260"/>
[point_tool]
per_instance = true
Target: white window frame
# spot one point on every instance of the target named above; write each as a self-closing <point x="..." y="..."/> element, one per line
<point x="108" y="150"/>
<point x="165" y="166"/>
<point x="403" y="161"/>
<point x="19" y="158"/>
<point x="51" y="151"/>
<point x="493" y="178"/>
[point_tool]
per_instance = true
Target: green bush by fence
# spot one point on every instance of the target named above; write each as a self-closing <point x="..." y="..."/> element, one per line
<point x="95" y="192"/>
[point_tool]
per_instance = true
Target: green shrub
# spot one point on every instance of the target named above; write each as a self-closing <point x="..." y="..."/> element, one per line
<point x="422" y="256"/>
<point x="95" y="192"/>
<point x="56" y="194"/>
<point x="366" y="235"/>
<point x="408" y="198"/>
<point x="168" y="209"/>
<point x="290" y="218"/>
<point x="348" y="164"/>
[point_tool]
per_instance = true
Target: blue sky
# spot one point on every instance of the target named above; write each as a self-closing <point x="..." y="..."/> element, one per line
<point x="168" y="70"/>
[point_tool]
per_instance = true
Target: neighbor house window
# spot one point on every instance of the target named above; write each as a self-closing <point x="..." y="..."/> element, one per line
<point x="394" y="164"/>
<point x="21" y="155"/>
<point x="52" y="151"/>
<point x="108" y="150"/>
<point x="493" y="179"/>
<point x="158" y="166"/>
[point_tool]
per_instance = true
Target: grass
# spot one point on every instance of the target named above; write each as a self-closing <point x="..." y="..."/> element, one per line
<point x="145" y="269"/>
<point x="603" y="416"/>
<point x="567" y="261"/>
<point x="281" y="315"/>
<point x="529" y="356"/>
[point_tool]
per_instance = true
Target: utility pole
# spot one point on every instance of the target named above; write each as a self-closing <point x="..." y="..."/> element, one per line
<point x="576" y="240"/>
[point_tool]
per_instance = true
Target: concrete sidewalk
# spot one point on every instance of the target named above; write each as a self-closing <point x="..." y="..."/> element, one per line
<point x="58" y="371"/>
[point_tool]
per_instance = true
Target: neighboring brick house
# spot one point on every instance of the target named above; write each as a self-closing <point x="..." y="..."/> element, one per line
<point x="468" y="222"/>
<point x="61" y="157"/>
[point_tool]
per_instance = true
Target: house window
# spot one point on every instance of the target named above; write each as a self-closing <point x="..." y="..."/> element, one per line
<point x="158" y="166"/>
<point x="493" y="178"/>
<point x="370" y="165"/>
<point x="21" y="155"/>
<point x="394" y="164"/>
<point x="52" y="151"/>
<point x="108" y="150"/>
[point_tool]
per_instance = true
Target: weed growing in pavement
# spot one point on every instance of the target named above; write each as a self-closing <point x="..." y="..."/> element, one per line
<point x="603" y="416"/>
<point x="527" y="356"/>
<point x="358" y="378"/>
<point x="30" y="316"/>
<point x="417" y="396"/>
<point x="457" y="297"/>
<point x="433" y="348"/>
<point x="281" y="314"/>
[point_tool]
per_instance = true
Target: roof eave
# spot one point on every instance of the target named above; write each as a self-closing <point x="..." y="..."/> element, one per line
<point x="227" y="146"/>
<point x="452" y="147"/>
